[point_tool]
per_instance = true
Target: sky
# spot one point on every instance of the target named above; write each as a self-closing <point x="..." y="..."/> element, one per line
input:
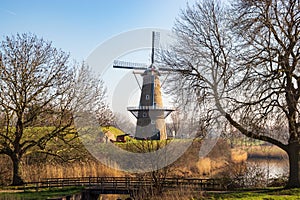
<point x="81" y="26"/>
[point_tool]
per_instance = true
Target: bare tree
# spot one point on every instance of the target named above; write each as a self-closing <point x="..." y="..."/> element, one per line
<point x="243" y="66"/>
<point x="90" y="96"/>
<point x="37" y="89"/>
<point x="160" y="156"/>
<point x="123" y="123"/>
<point x="174" y="125"/>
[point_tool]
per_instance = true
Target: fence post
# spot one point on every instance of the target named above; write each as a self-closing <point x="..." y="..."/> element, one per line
<point x="201" y="184"/>
<point x="37" y="187"/>
<point x="127" y="182"/>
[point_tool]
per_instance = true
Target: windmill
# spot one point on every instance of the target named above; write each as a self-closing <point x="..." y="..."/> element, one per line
<point x="150" y="113"/>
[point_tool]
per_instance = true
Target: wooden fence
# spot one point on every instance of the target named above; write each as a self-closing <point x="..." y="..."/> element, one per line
<point x="126" y="183"/>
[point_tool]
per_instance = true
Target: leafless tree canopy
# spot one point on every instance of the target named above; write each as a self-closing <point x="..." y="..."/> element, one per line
<point x="39" y="90"/>
<point x="204" y="46"/>
<point x="242" y="61"/>
<point x="269" y="50"/>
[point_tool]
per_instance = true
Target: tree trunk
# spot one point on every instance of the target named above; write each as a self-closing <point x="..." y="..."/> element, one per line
<point x="16" y="180"/>
<point x="294" y="161"/>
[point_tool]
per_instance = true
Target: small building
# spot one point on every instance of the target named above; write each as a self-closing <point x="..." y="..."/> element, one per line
<point x="121" y="138"/>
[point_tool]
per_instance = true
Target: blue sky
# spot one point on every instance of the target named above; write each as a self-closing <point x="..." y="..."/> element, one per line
<point x="78" y="26"/>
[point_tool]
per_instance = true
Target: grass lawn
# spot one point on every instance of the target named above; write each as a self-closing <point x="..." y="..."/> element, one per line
<point x="42" y="194"/>
<point x="265" y="194"/>
<point x="259" y="194"/>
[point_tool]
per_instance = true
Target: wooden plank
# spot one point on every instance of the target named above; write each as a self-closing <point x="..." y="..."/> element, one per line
<point x="125" y="182"/>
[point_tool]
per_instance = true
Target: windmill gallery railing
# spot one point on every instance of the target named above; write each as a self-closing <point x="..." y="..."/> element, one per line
<point x="126" y="183"/>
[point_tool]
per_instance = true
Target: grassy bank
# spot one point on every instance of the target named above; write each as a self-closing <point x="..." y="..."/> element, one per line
<point x="9" y="194"/>
<point x="259" y="194"/>
<point x="269" y="194"/>
<point x="266" y="194"/>
<point x="266" y="152"/>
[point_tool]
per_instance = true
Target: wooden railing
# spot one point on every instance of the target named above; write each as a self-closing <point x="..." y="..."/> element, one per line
<point x="125" y="183"/>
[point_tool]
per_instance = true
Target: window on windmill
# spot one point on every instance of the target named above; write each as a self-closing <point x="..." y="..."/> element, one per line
<point x="144" y="114"/>
<point x="147" y="97"/>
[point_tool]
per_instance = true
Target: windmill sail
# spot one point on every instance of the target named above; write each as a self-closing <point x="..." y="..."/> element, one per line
<point x="129" y="65"/>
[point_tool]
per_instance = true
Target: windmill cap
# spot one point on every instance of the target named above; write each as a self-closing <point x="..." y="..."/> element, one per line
<point x="152" y="70"/>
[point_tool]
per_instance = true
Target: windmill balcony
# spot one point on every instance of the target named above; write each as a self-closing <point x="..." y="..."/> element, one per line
<point x="158" y="108"/>
<point x="163" y="111"/>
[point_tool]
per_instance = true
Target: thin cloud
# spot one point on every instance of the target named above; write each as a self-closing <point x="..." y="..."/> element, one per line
<point x="10" y="12"/>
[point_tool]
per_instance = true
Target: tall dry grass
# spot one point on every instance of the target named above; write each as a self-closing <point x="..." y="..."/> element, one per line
<point x="238" y="155"/>
<point x="5" y="170"/>
<point x="190" y="165"/>
<point x="204" y="166"/>
<point x="37" y="172"/>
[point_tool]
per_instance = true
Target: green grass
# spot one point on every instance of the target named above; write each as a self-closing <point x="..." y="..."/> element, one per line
<point x="139" y="146"/>
<point x="42" y="194"/>
<point x="259" y="194"/>
<point x="115" y="131"/>
<point x="264" y="194"/>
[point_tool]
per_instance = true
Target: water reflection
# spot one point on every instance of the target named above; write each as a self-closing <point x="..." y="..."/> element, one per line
<point x="272" y="168"/>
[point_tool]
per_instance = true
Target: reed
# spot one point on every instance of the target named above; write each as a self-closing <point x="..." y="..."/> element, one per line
<point x="238" y="156"/>
<point x="37" y="172"/>
<point x="204" y="166"/>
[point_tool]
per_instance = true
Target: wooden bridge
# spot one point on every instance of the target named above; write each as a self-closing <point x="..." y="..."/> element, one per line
<point x="124" y="185"/>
